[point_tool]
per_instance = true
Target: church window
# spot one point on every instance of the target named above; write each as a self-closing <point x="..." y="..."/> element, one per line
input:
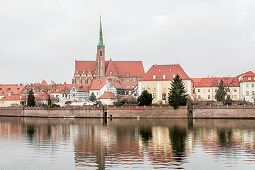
<point x="101" y="53"/>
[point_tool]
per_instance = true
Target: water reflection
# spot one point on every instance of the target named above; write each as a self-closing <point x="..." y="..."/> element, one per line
<point x="95" y="144"/>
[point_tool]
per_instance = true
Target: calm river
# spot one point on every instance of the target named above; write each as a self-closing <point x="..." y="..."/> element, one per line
<point x="68" y="144"/>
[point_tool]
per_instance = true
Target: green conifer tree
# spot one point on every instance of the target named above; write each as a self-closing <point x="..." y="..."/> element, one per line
<point x="145" y="98"/>
<point x="177" y="95"/>
<point x="221" y="93"/>
<point x="31" y="99"/>
<point x="92" y="97"/>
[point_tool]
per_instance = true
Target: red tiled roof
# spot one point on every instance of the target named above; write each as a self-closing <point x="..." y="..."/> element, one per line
<point x="111" y="69"/>
<point x="168" y="70"/>
<point x="12" y="97"/>
<point x="245" y="77"/>
<point x="108" y="95"/>
<point x="97" y="84"/>
<point x="214" y="82"/>
<point x="8" y="89"/>
<point x="122" y="68"/>
<point x="44" y="83"/>
<point x="128" y="85"/>
<point x="82" y="87"/>
<point x="116" y="84"/>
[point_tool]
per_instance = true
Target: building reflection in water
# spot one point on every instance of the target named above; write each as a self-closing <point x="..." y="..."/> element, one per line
<point x="164" y="143"/>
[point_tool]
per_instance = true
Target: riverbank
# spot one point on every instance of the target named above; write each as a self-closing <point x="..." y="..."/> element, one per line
<point x="153" y="112"/>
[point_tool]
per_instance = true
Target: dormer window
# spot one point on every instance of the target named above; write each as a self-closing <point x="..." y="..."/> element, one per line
<point x="170" y="69"/>
<point x="159" y="70"/>
<point x="76" y="71"/>
<point x="99" y="82"/>
<point x="164" y="76"/>
<point x="154" y="76"/>
<point x="110" y="72"/>
<point x="83" y="71"/>
<point x="173" y="76"/>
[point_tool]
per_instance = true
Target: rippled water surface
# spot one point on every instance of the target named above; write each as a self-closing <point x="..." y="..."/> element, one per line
<point x="67" y="144"/>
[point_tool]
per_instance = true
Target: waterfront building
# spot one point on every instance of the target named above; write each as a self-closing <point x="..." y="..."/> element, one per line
<point x="247" y="86"/>
<point x="107" y="98"/>
<point x="86" y="71"/>
<point x="158" y="79"/>
<point x="206" y="88"/>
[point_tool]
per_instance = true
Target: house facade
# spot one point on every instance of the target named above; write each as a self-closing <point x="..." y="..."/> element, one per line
<point x="158" y="79"/>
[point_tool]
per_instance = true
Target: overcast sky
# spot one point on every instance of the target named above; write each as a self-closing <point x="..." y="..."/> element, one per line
<point x="41" y="39"/>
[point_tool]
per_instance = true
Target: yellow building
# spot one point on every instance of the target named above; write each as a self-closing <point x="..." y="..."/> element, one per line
<point x="158" y="79"/>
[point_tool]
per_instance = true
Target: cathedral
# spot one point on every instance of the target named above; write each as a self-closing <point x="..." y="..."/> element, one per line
<point x="86" y="71"/>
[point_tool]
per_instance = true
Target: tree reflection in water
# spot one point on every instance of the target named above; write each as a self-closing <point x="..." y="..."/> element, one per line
<point x="178" y="138"/>
<point x="30" y="132"/>
<point x="146" y="134"/>
<point x="224" y="137"/>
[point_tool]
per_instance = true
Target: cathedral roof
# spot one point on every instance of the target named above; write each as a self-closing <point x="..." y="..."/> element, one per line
<point x="122" y="68"/>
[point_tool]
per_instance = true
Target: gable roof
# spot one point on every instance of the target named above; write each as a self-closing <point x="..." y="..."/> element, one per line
<point x="128" y="85"/>
<point x="245" y="77"/>
<point x="8" y="89"/>
<point x="97" y="84"/>
<point x="108" y="95"/>
<point x="122" y="68"/>
<point x="168" y="70"/>
<point x="111" y="69"/>
<point x="82" y="87"/>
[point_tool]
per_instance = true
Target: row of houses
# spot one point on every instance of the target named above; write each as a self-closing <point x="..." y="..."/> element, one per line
<point x="157" y="81"/>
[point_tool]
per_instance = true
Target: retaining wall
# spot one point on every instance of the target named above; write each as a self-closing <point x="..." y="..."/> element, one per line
<point x="241" y="111"/>
<point x="146" y="112"/>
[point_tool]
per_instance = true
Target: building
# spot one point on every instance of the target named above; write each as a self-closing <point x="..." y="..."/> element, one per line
<point x="247" y="86"/>
<point x="158" y="79"/>
<point x="86" y="71"/>
<point x="108" y="98"/>
<point x="206" y="88"/>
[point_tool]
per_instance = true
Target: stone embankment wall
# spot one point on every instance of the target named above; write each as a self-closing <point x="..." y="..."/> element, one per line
<point x="244" y="111"/>
<point x="240" y="111"/>
<point x="146" y="112"/>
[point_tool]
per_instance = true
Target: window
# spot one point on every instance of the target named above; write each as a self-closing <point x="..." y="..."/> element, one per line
<point x="170" y="69"/>
<point x="228" y="90"/>
<point x="199" y="97"/>
<point x="101" y="53"/>
<point x="163" y="96"/>
<point x="198" y="90"/>
<point x="163" y="86"/>
<point x="252" y="92"/>
<point x="148" y="86"/>
<point x="252" y="85"/>
<point x="249" y="78"/>
<point x="17" y="88"/>
<point x="247" y="84"/>
<point x="83" y="81"/>
<point x="164" y="76"/>
<point x="154" y="86"/>
<point x="247" y="93"/>
<point x="253" y="78"/>
<point x="77" y="81"/>
<point x="127" y="74"/>
<point x="173" y="76"/>
<point x="143" y="86"/>
<point x="154" y="76"/>
<point x="0" y="88"/>
<point x="110" y="72"/>
<point x="235" y="90"/>
<point x="234" y="97"/>
<point x="154" y="95"/>
<point x="208" y="90"/>
<point x="209" y="97"/>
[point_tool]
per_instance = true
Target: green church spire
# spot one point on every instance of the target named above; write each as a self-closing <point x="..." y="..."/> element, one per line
<point x="100" y="43"/>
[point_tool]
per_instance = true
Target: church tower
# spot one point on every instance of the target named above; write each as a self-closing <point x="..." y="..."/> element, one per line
<point x="100" y="60"/>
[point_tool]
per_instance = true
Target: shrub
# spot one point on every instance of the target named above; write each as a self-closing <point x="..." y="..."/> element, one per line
<point x="145" y="98"/>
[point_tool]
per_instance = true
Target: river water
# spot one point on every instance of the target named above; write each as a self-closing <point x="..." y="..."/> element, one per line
<point x="68" y="144"/>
